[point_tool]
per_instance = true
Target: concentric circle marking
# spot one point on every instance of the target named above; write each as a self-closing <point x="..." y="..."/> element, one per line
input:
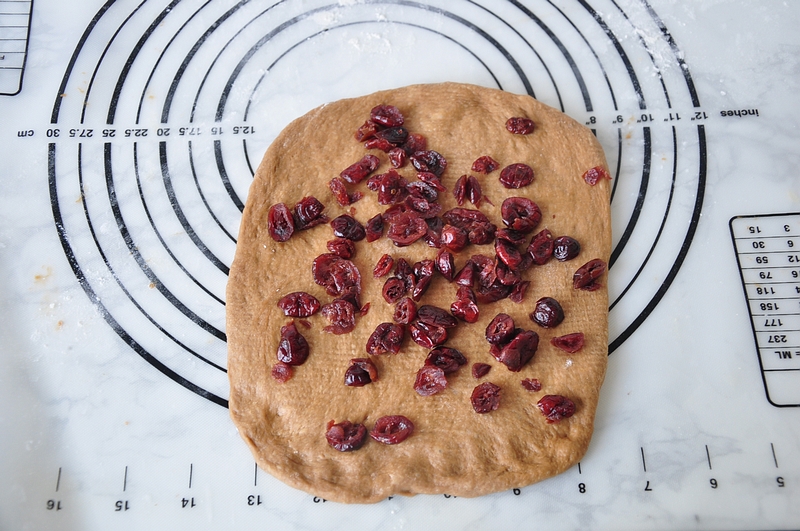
<point x="172" y="107"/>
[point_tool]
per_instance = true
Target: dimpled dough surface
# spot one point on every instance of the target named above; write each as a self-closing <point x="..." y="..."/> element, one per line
<point x="453" y="449"/>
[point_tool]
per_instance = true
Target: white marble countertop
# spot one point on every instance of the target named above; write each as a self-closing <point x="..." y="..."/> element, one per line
<point x="128" y="135"/>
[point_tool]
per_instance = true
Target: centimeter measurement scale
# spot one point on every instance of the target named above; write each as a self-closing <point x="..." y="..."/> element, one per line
<point x="15" y="30"/>
<point x="768" y="252"/>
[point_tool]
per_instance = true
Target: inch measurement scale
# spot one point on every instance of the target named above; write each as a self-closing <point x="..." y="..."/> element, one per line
<point x="127" y="156"/>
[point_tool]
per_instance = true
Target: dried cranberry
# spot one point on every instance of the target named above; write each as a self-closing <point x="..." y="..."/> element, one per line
<point x="406" y="228"/>
<point x="386" y="115"/>
<point x="485" y="164"/>
<point x="346" y="226"/>
<point x="586" y="277"/>
<point x="282" y="372"/>
<point x="508" y="254"/>
<point x="423" y="274"/>
<point x="569" y="343"/>
<point x="292" y="347"/>
<point x="434" y="235"/>
<point x="446" y="264"/>
<point x="339" y="191"/>
<point x="460" y="190"/>
<point x="430" y="161"/>
<point x="485" y="397"/>
<point x="392" y="429"/>
<point x="360" y="372"/>
<point x="405" y="311"/>
<point x="434" y="315"/>
<point x="454" y="238"/>
<point x="474" y="191"/>
<point x="431" y="179"/>
<point x="492" y="293"/>
<point x="541" y="247"/>
<point x="427" y="335"/>
<point x="430" y="380"/>
<point x="501" y="329"/>
<point x="520" y="214"/>
<point x="384" y="265"/>
<point x="520" y="126"/>
<point x="387" y="337"/>
<point x="465" y="306"/>
<point x="516" y="175"/>
<point x="341" y="314"/>
<point x="341" y="247"/>
<point x="479" y="370"/>
<point x="358" y="171"/>
<point x="479" y="230"/>
<point x="397" y="157"/>
<point x="566" y="248"/>
<point x="466" y="277"/>
<point x="393" y="290"/>
<point x="374" y="228"/>
<point x="518" y="293"/>
<point x="280" y="222"/>
<point x="299" y="304"/>
<point x="336" y="274"/>
<point x="346" y="436"/>
<point x="414" y="142"/>
<point x="393" y="135"/>
<point x="556" y="407"/>
<point x="505" y="275"/>
<point x="548" y="313"/>
<point x="425" y="208"/>
<point x="367" y="130"/>
<point x="512" y="236"/>
<point x="446" y="358"/>
<point x="595" y="175"/>
<point x="308" y="213"/>
<point x="531" y="384"/>
<point x="391" y="188"/>
<point x="518" y="351"/>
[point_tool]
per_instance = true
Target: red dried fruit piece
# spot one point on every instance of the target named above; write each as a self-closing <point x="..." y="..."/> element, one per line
<point x="460" y="190"/>
<point x="423" y="275"/>
<point x="479" y="370"/>
<point x="367" y="130"/>
<point x="342" y="316"/>
<point x="492" y="293"/>
<point x="434" y="315"/>
<point x="566" y="248"/>
<point x="374" y="228"/>
<point x="341" y="247"/>
<point x="454" y="238"/>
<point x="556" y="407"/>
<point x="386" y="115"/>
<point x="426" y="335"/>
<point x="282" y="372"/>
<point x="446" y="358"/>
<point x="501" y="329"/>
<point x="474" y="191"/>
<point x="415" y="142"/>
<point x="336" y="274"/>
<point x="508" y="254"/>
<point x="586" y="277"/>
<point x="280" y="222"/>
<point x="425" y="208"/>
<point x="465" y="307"/>
<point x="392" y="429"/>
<point x="520" y="214"/>
<point x="395" y="136"/>
<point x="299" y="304"/>
<point x="339" y="191"/>
<point x="405" y="311"/>
<point x="308" y="213"/>
<point x="384" y="265"/>
<point x="358" y="171"/>
<point x="345" y="436"/>
<point x="547" y="313"/>
<point x="446" y="264"/>
<point x="387" y="338"/>
<point x="531" y="384"/>
<point x="393" y="290"/>
<point x="541" y="247"/>
<point x="594" y="175"/>
<point x="292" y="347"/>
<point x="391" y="187"/>
<point x="431" y="179"/>
<point x="478" y="227"/>
<point x="406" y="228"/>
<point x="518" y="293"/>
<point x="360" y="372"/>
<point x="511" y="236"/>
<point x="346" y="226"/>
<point x="516" y="175"/>
<point x="397" y="157"/>
<point x="520" y="126"/>
<point x="434" y="235"/>
<point x="485" y="397"/>
<point x="485" y="164"/>
<point x="505" y="275"/>
<point x="571" y="343"/>
<point x="430" y="381"/>
<point x="430" y="161"/>
<point x="519" y="351"/>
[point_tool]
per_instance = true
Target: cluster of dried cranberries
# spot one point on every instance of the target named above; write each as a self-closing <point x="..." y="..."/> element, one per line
<point x="413" y="214"/>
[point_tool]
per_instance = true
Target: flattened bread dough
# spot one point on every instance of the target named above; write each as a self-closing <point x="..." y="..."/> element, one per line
<point x="453" y="449"/>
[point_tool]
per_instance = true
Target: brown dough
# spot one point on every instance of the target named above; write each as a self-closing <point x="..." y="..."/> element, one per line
<point x="453" y="450"/>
